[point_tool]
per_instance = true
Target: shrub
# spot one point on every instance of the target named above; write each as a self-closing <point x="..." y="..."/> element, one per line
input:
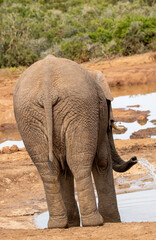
<point x="135" y="34"/>
<point x="75" y="49"/>
<point x="76" y="29"/>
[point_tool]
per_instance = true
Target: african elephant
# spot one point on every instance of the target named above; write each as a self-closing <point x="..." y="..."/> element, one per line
<point x="62" y="116"/>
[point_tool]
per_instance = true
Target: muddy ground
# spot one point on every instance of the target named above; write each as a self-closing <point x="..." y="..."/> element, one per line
<point x="21" y="190"/>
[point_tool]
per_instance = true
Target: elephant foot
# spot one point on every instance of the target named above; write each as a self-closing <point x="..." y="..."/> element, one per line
<point x="94" y="219"/>
<point x="73" y="217"/>
<point x="112" y="219"/>
<point x="58" y="223"/>
<point x="75" y="223"/>
<point x="112" y="216"/>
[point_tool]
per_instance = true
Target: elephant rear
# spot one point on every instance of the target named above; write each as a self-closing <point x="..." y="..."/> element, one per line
<point x="53" y="97"/>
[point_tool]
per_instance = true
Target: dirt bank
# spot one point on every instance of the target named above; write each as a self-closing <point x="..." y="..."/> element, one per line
<point x="21" y="189"/>
<point x="126" y="71"/>
<point x="113" y="231"/>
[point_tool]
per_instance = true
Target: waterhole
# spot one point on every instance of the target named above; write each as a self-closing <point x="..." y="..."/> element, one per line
<point x="139" y="102"/>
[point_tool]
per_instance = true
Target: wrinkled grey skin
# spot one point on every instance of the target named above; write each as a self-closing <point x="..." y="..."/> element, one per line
<point x="62" y="116"/>
<point x="117" y="163"/>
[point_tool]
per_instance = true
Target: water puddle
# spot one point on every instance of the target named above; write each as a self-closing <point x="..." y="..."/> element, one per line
<point x="19" y="144"/>
<point x="138" y="206"/>
<point x="131" y="128"/>
<point x="136" y="102"/>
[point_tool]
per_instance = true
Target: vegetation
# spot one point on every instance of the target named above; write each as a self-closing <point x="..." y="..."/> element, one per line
<point x="75" y="29"/>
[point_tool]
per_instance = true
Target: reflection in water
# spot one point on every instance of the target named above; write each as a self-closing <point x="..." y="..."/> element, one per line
<point x="145" y="103"/>
<point x="133" y="89"/>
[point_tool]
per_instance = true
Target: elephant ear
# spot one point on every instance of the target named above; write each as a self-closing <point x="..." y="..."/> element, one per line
<point x="101" y="80"/>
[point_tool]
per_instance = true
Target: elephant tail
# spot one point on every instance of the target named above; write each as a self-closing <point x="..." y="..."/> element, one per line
<point x="48" y="106"/>
<point x="49" y="121"/>
<point x="50" y="98"/>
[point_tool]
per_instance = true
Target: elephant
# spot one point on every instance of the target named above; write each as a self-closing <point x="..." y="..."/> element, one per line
<point x="63" y="118"/>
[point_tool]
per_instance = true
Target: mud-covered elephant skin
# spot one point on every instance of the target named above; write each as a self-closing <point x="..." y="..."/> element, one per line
<point x="62" y="116"/>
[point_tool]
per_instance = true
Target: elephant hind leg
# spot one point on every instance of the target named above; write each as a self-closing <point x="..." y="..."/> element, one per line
<point x="67" y="190"/>
<point x="103" y="177"/>
<point x="51" y="182"/>
<point x="36" y="144"/>
<point x="80" y="158"/>
<point x="86" y="196"/>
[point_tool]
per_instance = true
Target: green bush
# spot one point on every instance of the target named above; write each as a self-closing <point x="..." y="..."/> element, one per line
<point x="80" y="49"/>
<point x="135" y="34"/>
<point x="75" y="29"/>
